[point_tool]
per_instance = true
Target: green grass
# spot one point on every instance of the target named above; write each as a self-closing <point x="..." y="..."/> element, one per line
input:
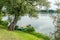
<point x="16" y="35"/>
<point x="40" y="35"/>
<point x="19" y="35"/>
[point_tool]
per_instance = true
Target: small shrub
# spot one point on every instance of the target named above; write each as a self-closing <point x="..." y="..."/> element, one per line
<point x="29" y="29"/>
<point x="16" y="27"/>
<point x="4" y="24"/>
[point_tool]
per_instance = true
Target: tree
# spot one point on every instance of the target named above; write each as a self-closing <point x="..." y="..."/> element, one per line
<point x="57" y="33"/>
<point x="58" y="6"/>
<point x="19" y="8"/>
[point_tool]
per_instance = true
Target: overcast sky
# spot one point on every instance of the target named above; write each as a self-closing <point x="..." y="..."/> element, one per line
<point x="52" y="4"/>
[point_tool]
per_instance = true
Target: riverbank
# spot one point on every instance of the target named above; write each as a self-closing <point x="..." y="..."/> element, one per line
<point x="19" y="35"/>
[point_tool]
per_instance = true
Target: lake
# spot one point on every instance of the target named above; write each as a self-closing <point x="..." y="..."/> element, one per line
<point x="42" y="24"/>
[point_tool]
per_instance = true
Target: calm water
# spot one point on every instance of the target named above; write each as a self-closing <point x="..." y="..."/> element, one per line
<point x="42" y="24"/>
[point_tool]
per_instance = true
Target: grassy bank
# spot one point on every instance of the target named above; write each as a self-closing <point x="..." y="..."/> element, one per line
<point x="16" y="35"/>
<point x="19" y="35"/>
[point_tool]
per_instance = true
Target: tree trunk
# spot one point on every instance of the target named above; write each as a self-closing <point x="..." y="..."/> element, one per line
<point x="12" y="25"/>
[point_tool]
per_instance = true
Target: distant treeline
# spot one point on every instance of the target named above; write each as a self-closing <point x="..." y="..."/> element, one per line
<point x="49" y="11"/>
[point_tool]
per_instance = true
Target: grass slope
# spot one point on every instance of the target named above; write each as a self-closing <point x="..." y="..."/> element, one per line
<point x="16" y="35"/>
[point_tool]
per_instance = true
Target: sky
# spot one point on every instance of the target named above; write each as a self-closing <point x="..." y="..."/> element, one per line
<point x="53" y="6"/>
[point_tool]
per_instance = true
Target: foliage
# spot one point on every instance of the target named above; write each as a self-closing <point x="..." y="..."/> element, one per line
<point x="0" y="16"/>
<point x="29" y="30"/>
<point x="16" y="27"/>
<point x="57" y="3"/>
<point x="19" y="8"/>
<point x="58" y="11"/>
<point x="4" y="24"/>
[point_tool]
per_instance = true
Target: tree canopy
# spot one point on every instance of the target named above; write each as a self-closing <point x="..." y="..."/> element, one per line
<point x="22" y="7"/>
